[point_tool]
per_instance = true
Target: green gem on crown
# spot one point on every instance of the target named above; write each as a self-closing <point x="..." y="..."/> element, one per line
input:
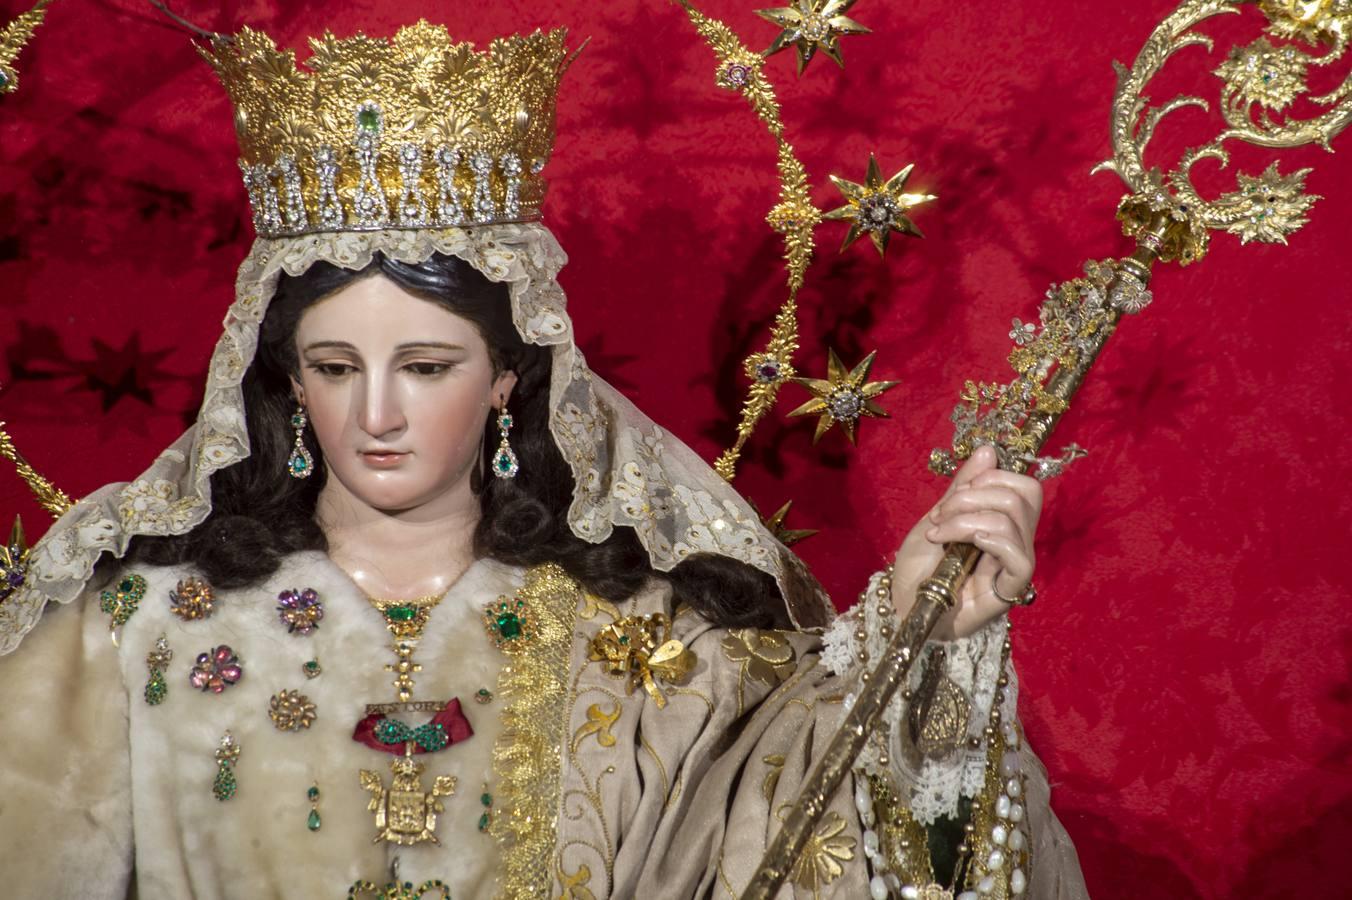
<point x="368" y="118"/>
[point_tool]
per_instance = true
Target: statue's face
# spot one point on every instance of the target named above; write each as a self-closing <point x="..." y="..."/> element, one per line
<point x="398" y="391"/>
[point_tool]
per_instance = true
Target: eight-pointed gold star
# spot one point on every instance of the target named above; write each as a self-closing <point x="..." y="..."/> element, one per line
<point x="812" y="25"/>
<point x="843" y="397"/>
<point x="876" y="207"/>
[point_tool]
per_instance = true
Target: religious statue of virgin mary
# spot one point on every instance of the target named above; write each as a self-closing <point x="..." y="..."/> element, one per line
<point x="422" y="607"/>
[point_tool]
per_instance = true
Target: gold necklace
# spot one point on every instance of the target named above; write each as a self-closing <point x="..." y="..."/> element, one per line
<point x="406" y="620"/>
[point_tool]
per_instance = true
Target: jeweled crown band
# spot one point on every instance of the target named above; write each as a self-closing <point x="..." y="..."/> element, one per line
<point x="415" y="132"/>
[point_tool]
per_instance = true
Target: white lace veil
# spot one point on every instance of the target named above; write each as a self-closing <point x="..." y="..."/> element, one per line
<point x="626" y="470"/>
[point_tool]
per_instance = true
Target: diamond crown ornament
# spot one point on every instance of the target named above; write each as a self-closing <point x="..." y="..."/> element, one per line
<point x="413" y="132"/>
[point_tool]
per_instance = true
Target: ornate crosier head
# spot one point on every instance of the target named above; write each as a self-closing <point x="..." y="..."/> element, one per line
<point x="1165" y="212"/>
<point x="414" y="132"/>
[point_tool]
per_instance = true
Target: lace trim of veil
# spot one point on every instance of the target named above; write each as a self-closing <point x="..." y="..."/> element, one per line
<point x="627" y="470"/>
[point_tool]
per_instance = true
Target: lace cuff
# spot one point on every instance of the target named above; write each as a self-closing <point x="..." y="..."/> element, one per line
<point x="935" y="762"/>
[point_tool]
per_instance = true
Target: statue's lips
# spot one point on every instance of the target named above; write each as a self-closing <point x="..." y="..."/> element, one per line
<point x="384" y="459"/>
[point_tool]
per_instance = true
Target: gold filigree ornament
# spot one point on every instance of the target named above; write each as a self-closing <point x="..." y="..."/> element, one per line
<point x="1261" y="82"/>
<point x="641" y="649"/>
<point x="939" y="714"/>
<point x="414" y="132"/>
<point x="13" y="37"/>
<point x="877" y="208"/>
<point x="812" y="26"/>
<point x="405" y="814"/>
<point x="843" y="396"/>
<point x="399" y="890"/>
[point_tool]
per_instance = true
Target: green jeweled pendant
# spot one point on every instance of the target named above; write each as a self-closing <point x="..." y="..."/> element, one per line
<point x="401" y="613"/>
<point x="486" y="819"/>
<point x="223" y="788"/>
<point x="157" y="660"/>
<point x="313" y="821"/>
<point x="156" y="688"/>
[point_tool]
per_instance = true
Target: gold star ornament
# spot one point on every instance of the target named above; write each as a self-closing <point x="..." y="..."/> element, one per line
<point x="812" y="25"/>
<point x="13" y="562"/>
<point x="876" y="207"/>
<point x="843" y="397"/>
<point x="786" y="536"/>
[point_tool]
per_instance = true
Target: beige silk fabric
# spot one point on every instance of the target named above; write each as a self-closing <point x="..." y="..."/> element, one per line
<point x="681" y="801"/>
<point x="627" y="470"/>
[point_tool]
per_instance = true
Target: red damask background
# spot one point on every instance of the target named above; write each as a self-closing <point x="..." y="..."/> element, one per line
<point x="1186" y="672"/>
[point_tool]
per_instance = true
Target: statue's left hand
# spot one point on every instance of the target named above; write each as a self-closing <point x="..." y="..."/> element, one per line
<point x="986" y="506"/>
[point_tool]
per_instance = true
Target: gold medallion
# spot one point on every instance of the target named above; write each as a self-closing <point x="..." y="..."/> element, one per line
<point x="405" y="813"/>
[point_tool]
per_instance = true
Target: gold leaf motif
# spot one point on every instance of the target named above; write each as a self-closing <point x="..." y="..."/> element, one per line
<point x="776" y="763"/>
<point x="575" y="885"/>
<point x="598" y="723"/>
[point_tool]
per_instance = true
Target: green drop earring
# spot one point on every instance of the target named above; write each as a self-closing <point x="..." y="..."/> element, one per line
<point x="300" y="463"/>
<point x="505" y="464"/>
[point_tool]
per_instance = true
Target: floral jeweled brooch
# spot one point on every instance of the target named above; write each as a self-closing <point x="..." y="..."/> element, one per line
<point x="300" y="611"/>
<point x="123" y="600"/>
<point x="216" y="670"/>
<point x="291" y="711"/>
<point x="192" y="598"/>
<point x="510" y="623"/>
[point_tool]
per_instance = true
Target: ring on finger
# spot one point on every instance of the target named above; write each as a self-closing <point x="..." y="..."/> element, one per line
<point x="1024" y="598"/>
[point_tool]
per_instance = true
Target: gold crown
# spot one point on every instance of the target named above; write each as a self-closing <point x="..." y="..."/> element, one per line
<point x="415" y="132"/>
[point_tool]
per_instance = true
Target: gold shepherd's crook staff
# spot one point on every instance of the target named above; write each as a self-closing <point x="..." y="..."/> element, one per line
<point x="1170" y="221"/>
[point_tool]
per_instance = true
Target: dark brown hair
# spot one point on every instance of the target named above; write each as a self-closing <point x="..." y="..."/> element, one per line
<point x="260" y="514"/>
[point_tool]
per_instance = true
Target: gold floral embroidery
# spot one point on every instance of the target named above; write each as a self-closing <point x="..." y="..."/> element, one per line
<point x="526" y="757"/>
<point x="575" y="885"/>
<point x="598" y="723"/>
<point x="765" y="656"/>
<point x="819" y="864"/>
<point x="776" y="763"/>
